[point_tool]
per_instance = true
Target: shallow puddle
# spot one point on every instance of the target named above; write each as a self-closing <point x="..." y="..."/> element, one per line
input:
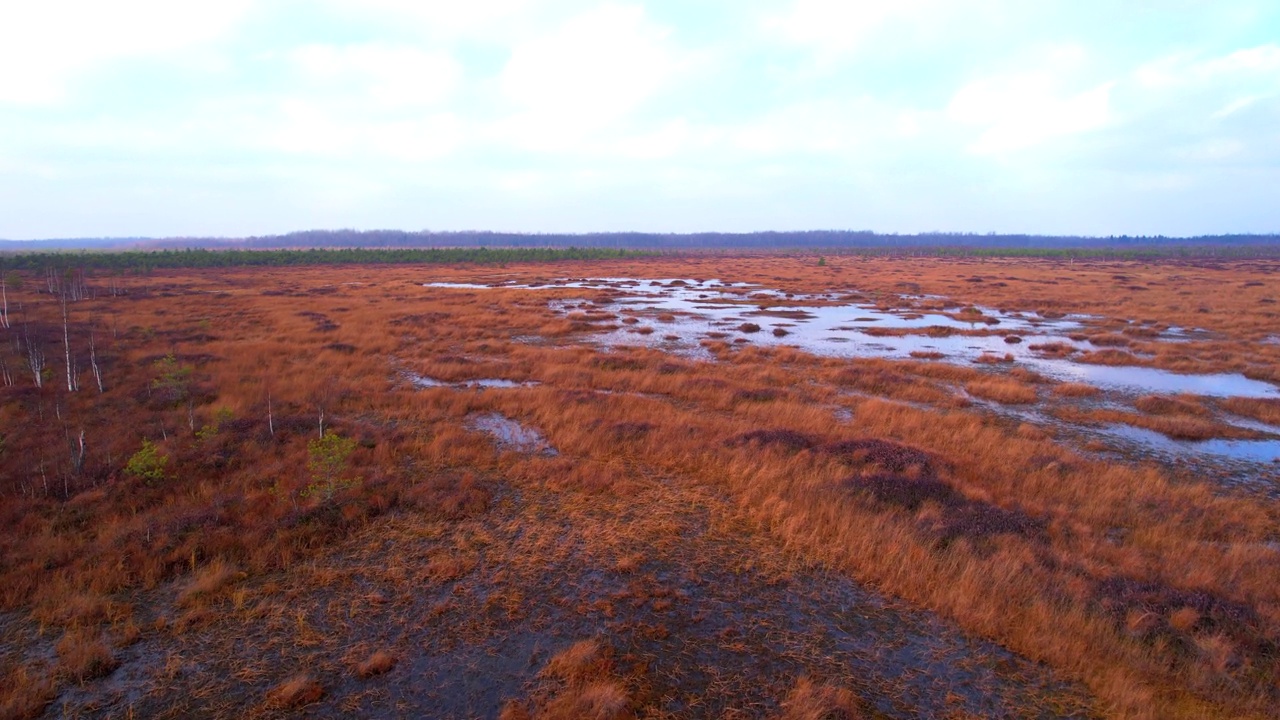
<point x="694" y="311"/>
<point x="1150" y="442"/>
<point x="1257" y="451"/>
<point x="510" y="434"/>
<point x="423" y="381"/>
<point x="1153" y="380"/>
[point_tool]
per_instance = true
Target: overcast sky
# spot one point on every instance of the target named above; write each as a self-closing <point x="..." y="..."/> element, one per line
<point x="239" y="117"/>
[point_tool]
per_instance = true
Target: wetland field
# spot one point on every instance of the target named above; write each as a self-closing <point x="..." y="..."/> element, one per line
<point x="740" y="485"/>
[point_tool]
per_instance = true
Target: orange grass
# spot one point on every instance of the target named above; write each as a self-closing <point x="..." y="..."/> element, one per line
<point x="1178" y="427"/>
<point x="1264" y="410"/>
<point x="811" y="701"/>
<point x="1008" y="392"/>
<point x="296" y="692"/>
<point x="378" y="663"/>
<point x="82" y="536"/>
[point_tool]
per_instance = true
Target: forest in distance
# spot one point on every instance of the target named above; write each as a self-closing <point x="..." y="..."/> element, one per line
<point x="861" y="240"/>
<point x="367" y="251"/>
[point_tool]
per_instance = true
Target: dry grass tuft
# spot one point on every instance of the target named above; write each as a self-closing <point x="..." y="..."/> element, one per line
<point x="602" y="700"/>
<point x="209" y="581"/>
<point x="574" y="662"/>
<point x="1164" y="405"/>
<point x="1262" y="410"/>
<point x="629" y="563"/>
<point x="297" y="691"/>
<point x="988" y="358"/>
<point x="1053" y="349"/>
<point x="1005" y="392"/>
<point x="25" y="694"/>
<point x="378" y="663"/>
<point x="1077" y="390"/>
<point x="578" y="683"/>
<point x="83" y="654"/>
<point x="811" y="701"/>
<point x="1177" y="427"/>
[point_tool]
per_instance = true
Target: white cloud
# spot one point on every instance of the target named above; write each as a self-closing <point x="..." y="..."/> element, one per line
<point x="315" y="129"/>
<point x="483" y="20"/>
<point x="832" y="28"/>
<point x="46" y="45"/>
<point x="1236" y="106"/>
<point x="1213" y="150"/>
<point x="1255" y="64"/>
<point x="390" y="76"/>
<point x="826" y="126"/>
<point x="1263" y="59"/>
<point x="1200" y="98"/>
<point x="1025" y="109"/>
<point x="588" y="74"/>
<point x="831" y="24"/>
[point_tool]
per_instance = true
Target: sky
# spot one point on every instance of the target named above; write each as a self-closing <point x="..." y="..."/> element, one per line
<point x="157" y="118"/>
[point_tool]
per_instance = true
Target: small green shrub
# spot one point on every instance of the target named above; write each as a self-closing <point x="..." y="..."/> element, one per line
<point x="327" y="460"/>
<point x="173" y="381"/>
<point x="148" y="463"/>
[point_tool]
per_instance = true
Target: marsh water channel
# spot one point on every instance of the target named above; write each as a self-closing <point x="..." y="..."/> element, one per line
<point x="678" y="315"/>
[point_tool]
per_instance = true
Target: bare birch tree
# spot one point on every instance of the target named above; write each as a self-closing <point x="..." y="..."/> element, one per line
<point x="73" y="383"/>
<point x="93" y="361"/>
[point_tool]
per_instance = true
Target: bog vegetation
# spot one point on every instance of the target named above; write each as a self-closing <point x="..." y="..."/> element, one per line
<point x="223" y="493"/>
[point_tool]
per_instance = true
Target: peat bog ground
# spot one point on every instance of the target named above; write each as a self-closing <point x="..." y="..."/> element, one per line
<point x="752" y="485"/>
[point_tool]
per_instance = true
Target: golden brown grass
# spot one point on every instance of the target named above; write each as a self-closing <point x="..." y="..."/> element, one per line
<point x="380" y="662"/>
<point x="296" y="692"/>
<point x="209" y="581"/>
<point x="25" y="693"/>
<point x="1165" y="405"/>
<point x="583" y="685"/>
<point x="1070" y="389"/>
<point x="1263" y="410"/>
<point x="1007" y="392"/>
<point x="83" y="655"/>
<point x="811" y="701"/>
<point x="234" y="501"/>
<point x="1178" y="427"/>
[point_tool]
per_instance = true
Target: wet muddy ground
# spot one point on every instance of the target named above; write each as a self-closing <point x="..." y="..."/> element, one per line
<point x="703" y="617"/>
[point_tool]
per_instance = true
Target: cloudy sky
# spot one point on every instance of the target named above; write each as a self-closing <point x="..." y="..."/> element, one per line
<point x="237" y="117"/>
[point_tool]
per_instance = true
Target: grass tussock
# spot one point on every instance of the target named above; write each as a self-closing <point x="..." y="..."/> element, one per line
<point x="84" y="654"/>
<point x="209" y="581"/>
<point x="379" y="663"/>
<point x="296" y="692"/>
<point x="578" y="682"/>
<point x="811" y="701"/>
<point x="1263" y="410"/>
<point x="1177" y="427"/>
<point x="1165" y="405"/>
<point x="1109" y="357"/>
<point x="24" y="694"/>
<point x="1007" y="392"/>
<point x="1075" y="390"/>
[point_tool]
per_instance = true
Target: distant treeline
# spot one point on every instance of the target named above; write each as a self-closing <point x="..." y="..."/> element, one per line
<point x="863" y="239"/>
<point x="200" y="257"/>
<point x="1114" y="252"/>
<point x="713" y="240"/>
